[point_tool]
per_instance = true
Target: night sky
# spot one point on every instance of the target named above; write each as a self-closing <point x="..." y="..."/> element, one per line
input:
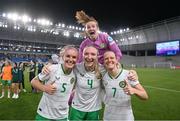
<point x="111" y="14"/>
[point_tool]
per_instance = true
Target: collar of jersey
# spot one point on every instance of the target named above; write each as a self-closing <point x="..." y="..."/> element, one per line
<point x="117" y="75"/>
<point x="64" y="70"/>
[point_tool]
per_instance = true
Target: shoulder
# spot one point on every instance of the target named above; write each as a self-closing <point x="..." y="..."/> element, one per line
<point x="84" y="42"/>
<point x="79" y="66"/>
<point x="53" y="67"/>
<point x="125" y="72"/>
<point x="106" y="36"/>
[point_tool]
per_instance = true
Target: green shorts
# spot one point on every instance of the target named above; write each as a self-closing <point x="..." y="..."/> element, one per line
<point x="6" y="82"/>
<point x="76" y="115"/>
<point x="40" y="118"/>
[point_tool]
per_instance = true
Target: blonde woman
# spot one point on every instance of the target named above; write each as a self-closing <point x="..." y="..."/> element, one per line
<point x="59" y="82"/>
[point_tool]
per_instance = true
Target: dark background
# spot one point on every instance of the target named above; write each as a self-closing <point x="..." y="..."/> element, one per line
<point x="111" y="14"/>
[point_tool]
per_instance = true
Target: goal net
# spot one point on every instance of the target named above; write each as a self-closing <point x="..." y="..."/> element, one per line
<point x="163" y="65"/>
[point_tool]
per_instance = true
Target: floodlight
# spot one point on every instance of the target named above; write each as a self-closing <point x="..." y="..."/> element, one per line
<point x="63" y="25"/>
<point x="25" y="18"/>
<point x="77" y="35"/>
<point x="66" y="33"/>
<point x="4" y="14"/>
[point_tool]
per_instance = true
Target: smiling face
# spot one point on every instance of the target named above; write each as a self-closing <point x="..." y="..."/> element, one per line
<point x="90" y="57"/>
<point x="70" y="57"/>
<point x="110" y="61"/>
<point x="91" y="29"/>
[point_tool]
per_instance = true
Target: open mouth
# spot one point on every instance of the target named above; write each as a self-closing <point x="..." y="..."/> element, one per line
<point x="92" y="33"/>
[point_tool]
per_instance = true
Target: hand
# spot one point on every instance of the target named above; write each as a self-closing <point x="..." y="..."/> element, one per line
<point x="128" y="89"/>
<point x="50" y="88"/>
<point x="132" y="75"/>
<point x="45" y="69"/>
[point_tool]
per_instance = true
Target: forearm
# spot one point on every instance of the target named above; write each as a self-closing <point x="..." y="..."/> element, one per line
<point x="114" y="47"/>
<point x="140" y="93"/>
<point x="37" y="84"/>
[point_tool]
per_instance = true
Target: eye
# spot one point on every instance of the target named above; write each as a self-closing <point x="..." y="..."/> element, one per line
<point x="93" y="54"/>
<point x="68" y="56"/>
<point x="74" y="57"/>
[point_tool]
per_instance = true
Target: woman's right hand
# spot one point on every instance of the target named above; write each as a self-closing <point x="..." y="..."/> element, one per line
<point x="45" y="69"/>
<point x="50" y="88"/>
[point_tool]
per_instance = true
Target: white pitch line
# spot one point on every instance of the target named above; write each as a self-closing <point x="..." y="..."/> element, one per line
<point x="164" y="89"/>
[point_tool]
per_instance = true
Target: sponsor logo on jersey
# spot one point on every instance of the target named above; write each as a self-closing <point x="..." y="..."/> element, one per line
<point x="72" y="80"/>
<point x="81" y="74"/>
<point x="122" y="84"/>
<point x="57" y="78"/>
<point x="110" y="39"/>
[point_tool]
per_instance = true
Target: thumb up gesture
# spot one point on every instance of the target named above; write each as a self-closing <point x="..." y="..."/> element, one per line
<point x="128" y="89"/>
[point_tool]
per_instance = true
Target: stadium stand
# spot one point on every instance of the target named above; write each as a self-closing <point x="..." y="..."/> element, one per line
<point x="31" y="41"/>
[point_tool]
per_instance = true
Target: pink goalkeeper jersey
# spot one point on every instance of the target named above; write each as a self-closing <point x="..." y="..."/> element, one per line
<point x="103" y="43"/>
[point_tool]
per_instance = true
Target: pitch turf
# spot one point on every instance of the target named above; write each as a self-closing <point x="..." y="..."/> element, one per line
<point x="162" y="86"/>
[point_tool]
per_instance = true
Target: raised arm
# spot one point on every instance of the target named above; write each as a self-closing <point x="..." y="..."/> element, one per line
<point x="114" y="47"/>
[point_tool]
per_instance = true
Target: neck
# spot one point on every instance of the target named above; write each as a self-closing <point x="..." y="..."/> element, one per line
<point x="91" y="68"/>
<point x="66" y="70"/>
<point x="94" y="38"/>
<point x="114" y="72"/>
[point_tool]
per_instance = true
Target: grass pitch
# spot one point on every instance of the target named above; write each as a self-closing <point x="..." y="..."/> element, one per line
<point x="162" y="86"/>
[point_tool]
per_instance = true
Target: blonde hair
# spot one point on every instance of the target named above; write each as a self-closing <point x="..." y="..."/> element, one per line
<point x="65" y="48"/>
<point x="68" y="47"/>
<point x="83" y="18"/>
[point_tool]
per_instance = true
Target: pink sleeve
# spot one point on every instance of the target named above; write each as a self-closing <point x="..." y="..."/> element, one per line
<point x="80" y="58"/>
<point x="114" y="47"/>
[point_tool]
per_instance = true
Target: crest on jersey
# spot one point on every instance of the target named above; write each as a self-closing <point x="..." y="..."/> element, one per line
<point x="102" y="45"/>
<point x="122" y="84"/>
<point x="72" y="80"/>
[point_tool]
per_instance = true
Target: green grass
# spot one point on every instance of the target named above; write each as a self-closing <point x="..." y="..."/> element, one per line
<point x="162" y="104"/>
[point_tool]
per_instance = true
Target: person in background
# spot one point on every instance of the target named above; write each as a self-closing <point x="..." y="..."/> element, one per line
<point x="40" y="66"/>
<point x="101" y="41"/>
<point x="6" y="75"/>
<point x="21" y="76"/>
<point x="32" y="71"/>
<point x="119" y="89"/>
<point x="15" y="81"/>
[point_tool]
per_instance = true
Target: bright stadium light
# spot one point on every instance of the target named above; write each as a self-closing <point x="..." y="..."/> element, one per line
<point x="4" y="14"/>
<point x="9" y="15"/>
<point x="15" y="16"/>
<point x="26" y="18"/>
<point x="63" y="25"/>
<point x="66" y="33"/>
<point x="77" y="35"/>
<point x="121" y="30"/>
<point x="44" y="22"/>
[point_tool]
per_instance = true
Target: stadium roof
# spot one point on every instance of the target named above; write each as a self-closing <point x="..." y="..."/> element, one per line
<point x="111" y="14"/>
